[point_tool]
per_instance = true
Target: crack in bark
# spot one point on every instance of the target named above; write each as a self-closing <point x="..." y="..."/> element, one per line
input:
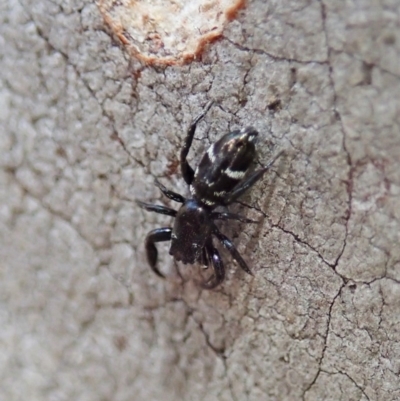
<point x="349" y="201"/>
<point x="346" y="151"/>
<point x="296" y="237"/>
<point x="273" y="56"/>
<point x="356" y="384"/>
<point x="326" y="335"/>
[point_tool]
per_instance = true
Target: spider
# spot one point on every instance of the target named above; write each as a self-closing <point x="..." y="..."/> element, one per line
<point x="221" y="177"/>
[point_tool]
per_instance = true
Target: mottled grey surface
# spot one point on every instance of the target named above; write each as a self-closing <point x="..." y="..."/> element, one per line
<point x="85" y="130"/>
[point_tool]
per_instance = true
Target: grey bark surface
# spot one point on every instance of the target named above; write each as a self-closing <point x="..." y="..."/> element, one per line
<point x="85" y="130"/>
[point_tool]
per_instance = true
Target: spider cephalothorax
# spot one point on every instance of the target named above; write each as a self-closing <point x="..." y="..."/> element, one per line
<point x="221" y="177"/>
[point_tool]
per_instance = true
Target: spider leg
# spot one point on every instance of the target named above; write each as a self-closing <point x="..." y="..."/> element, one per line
<point x="219" y="270"/>
<point x="187" y="171"/>
<point x="228" y="244"/>
<point x="230" y="216"/>
<point x="205" y="259"/>
<point x="157" y="235"/>
<point x="170" y="194"/>
<point x="248" y="182"/>
<point x="156" y="208"/>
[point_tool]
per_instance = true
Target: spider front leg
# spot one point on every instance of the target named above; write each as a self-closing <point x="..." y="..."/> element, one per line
<point x="187" y="171"/>
<point x="156" y="208"/>
<point x="205" y="259"/>
<point x="219" y="270"/>
<point x="228" y="244"/>
<point x="231" y="216"/>
<point x="170" y="194"/>
<point x="157" y="235"/>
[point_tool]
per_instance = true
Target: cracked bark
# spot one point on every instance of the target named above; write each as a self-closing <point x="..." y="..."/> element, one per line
<point x="86" y="131"/>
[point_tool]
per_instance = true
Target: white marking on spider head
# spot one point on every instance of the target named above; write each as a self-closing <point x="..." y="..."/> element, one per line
<point x="219" y="194"/>
<point x="250" y="133"/>
<point x="208" y="182"/>
<point x="237" y="175"/>
<point x="207" y="202"/>
<point x="210" y="153"/>
<point x="192" y="190"/>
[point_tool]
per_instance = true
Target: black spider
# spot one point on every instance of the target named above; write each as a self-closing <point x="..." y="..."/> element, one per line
<point x="220" y="179"/>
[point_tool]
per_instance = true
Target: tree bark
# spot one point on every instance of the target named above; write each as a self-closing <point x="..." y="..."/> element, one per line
<point x="86" y="130"/>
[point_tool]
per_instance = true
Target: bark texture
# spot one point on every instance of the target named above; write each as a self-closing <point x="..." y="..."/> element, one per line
<point x="85" y="130"/>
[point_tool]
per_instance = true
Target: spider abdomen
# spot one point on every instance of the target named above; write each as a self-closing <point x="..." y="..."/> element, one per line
<point x="223" y="166"/>
<point x="192" y="228"/>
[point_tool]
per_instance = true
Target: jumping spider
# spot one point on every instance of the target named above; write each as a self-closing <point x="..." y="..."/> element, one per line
<point x="220" y="179"/>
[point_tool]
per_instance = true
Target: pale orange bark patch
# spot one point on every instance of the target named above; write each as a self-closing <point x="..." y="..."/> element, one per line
<point x="168" y="31"/>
